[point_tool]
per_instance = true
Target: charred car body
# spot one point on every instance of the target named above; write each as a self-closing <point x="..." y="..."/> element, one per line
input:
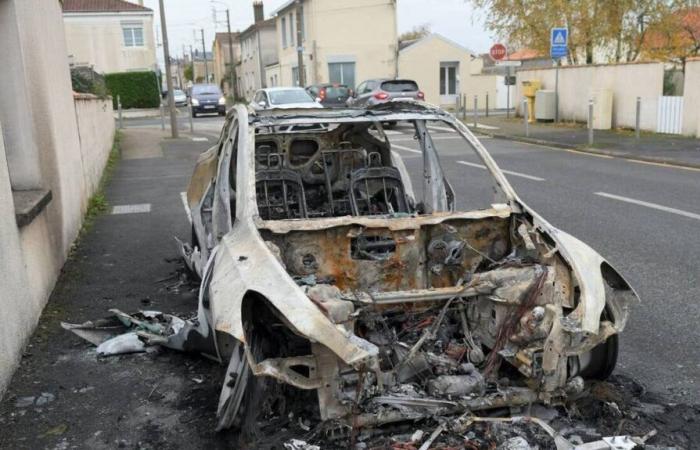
<point x="322" y="271"/>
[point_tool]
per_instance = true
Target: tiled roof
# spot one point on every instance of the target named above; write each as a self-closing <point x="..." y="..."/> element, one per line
<point x="101" y="6"/>
<point x="525" y="54"/>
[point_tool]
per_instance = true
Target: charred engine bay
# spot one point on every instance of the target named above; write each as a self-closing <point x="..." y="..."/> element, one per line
<point x="460" y="313"/>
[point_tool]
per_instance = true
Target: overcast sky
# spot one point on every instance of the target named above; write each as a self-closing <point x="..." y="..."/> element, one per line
<point x="454" y="19"/>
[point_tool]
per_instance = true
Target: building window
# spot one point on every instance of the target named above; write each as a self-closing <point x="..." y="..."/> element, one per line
<point x="343" y="73"/>
<point x="292" y="38"/>
<point x="284" y="32"/>
<point x="133" y="34"/>
<point x="448" y="78"/>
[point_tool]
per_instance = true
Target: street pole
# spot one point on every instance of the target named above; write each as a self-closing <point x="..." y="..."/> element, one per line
<point x="234" y="88"/>
<point x="194" y="75"/>
<point x="119" y="109"/>
<point x="476" y="114"/>
<point x="590" y="122"/>
<point x="166" y="55"/>
<point x="556" y="92"/>
<point x="507" y="92"/>
<point x="487" y="104"/>
<point x="300" y="49"/>
<point x="638" y="118"/>
<point x="204" y="51"/>
<point x="526" y="112"/>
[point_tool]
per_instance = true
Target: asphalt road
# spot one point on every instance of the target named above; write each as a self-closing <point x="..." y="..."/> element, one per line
<point x="644" y="218"/>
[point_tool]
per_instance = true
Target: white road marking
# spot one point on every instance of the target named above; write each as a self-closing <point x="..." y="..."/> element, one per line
<point x="200" y="139"/>
<point x="132" y="209"/>
<point x="183" y="197"/>
<point x="392" y="132"/>
<point x="401" y="147"/>
<point x="509" y="172"/>
<point x="680" y="212"/>
<point x="485" y="127"/>
<point x="436" y="128"/>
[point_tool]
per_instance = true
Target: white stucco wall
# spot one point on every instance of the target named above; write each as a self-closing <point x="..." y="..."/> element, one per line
<point x="97" y="39"/>
<point x="691" y="98"/>
<point x="96" y="130"/>
<point x="626" y="81"/>
<point x="421" y="62"/>
<point x="33" y="255"/>
<point x="363" y="32"/>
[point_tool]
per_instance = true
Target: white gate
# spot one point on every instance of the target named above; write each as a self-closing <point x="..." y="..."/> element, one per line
<point x="669" y="118"/>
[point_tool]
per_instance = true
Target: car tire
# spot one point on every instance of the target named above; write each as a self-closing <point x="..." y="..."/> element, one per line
<point x="600" y="362"/>
<point x="242" y="391"/>
<point x="194" y="113"/>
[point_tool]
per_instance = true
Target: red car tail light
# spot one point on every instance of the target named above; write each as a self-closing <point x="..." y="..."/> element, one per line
<point x="420" y="95"/>
<point x="381" y="95"/>
<point x="322" y="93"/>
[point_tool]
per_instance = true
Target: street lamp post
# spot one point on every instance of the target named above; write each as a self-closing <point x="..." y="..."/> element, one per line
<point x="166" y="54"/>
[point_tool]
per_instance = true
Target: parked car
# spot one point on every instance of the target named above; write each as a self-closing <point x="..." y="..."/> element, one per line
<point x="283" y="98"/>
<point x="324" y="269"/>
<point x="179" y="97"/>
<point x="207" y="98"/>
<point x="330" y="95"/>
<point x="373" y="92"/>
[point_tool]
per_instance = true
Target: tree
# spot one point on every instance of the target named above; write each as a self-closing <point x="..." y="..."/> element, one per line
<point x="189" y="72"/>
<point x="676" y="37"/>
<point x="415" y="33"/>
<point x="614" y="28"/>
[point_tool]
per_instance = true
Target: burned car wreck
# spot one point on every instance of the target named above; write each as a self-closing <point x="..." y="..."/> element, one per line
<point x="324" y="269"/>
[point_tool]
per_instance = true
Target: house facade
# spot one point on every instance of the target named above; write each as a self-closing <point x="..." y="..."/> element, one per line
<point x="258" y="50"/>
<point x="109" y="35"/>
<point x="221" y="54"/>
<point x="342" y="42"/>
<point x="444" y="69"/>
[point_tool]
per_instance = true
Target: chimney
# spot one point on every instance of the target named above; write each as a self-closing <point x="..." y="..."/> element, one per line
<point x="258" y="11"/>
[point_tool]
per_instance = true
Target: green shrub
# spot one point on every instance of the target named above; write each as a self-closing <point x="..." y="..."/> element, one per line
<point x="135" y="89"/>
<point x="87" y="81"/>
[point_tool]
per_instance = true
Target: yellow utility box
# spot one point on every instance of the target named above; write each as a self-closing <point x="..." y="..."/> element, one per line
<point x="530" y="89"/>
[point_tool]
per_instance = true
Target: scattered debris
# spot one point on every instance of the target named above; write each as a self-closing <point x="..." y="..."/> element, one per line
<point x="130" y="333"/>
<point x="41" y="400"/>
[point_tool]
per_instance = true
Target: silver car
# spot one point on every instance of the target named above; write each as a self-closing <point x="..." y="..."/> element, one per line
<point x="373" y="92"/>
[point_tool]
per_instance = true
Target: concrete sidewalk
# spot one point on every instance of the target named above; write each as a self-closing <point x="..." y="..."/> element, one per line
<point x="63" y="396"/>
<point x="651" y="147"/>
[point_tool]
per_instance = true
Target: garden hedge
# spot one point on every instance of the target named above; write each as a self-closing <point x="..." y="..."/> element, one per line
<point x="135" y="89"/>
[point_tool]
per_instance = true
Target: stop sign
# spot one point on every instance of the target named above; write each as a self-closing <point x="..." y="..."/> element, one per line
<point x="498" y="52"/>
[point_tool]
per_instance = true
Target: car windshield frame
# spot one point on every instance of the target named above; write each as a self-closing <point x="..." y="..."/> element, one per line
<point x="303" y="96"/>
<point x="504" y="194"/>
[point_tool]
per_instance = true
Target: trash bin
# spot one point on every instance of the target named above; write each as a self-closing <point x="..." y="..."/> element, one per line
<point x="545" y="105"/>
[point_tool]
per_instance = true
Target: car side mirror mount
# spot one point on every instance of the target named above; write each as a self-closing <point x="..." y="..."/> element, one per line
<point x="262" y="104"/>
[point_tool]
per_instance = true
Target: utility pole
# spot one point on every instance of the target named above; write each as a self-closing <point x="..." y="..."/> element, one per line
<point x="166" y="54"/>
<point x="204" y="50"/>
<point x="234" y="88"/>
<point x="194" y="74"/>
<point x="300" y="48"/>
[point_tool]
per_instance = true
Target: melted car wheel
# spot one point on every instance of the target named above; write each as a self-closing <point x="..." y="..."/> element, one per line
<point x="241" y="390"/>
<point x="599" y="363"/>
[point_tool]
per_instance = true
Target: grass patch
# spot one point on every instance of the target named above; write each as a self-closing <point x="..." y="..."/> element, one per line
<point x="98" y="203"/>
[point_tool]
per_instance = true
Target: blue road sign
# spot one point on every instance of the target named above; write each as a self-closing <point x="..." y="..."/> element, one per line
<point x="559" y="43"/>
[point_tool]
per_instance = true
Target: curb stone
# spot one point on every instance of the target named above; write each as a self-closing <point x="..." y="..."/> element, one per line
<point x="665" y="161"/>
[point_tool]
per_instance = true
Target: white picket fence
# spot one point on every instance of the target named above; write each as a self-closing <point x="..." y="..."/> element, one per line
<point x="669" y="118"/>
